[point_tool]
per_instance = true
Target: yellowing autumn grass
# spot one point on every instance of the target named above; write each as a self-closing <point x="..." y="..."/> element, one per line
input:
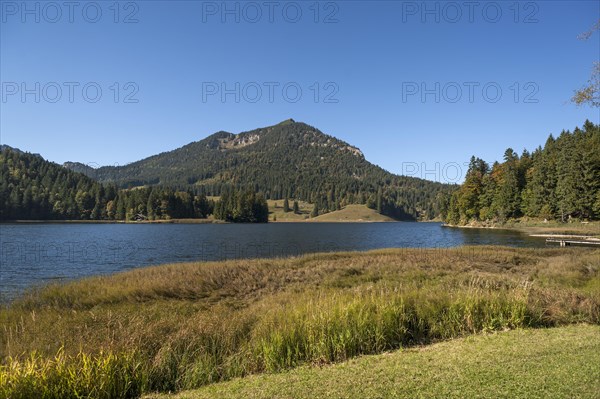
<point x="175" y="327"/>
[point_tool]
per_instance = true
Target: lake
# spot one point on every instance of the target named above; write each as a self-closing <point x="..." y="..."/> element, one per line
<point x="33" y="254"/>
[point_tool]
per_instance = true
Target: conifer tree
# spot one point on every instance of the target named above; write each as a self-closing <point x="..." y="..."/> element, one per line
<point x="315" y="211"/>
<point x="286" y="205"/>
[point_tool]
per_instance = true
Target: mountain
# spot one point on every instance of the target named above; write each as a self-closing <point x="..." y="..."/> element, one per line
<point x="5" y="147"/>
<point x="290" y="159"/>
<point x="80" y="168"/>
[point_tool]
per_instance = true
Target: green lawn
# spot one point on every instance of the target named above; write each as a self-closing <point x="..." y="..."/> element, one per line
<point x="544" y="363"/>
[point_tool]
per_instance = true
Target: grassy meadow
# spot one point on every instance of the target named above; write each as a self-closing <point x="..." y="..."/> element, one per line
<point x="349" y="213"/>
<point x="276" y="213"/>
<point x="183" y="326"/>
<point x="353" y="213"/>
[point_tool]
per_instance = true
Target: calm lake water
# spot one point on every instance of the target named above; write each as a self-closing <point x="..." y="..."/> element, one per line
<point x="34" y="254"/>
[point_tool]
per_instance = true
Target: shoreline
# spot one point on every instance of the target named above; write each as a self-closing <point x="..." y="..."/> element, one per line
<point x="589" y="230"/>
<point x="70" y="221"/>
<point x="203" y="221"/>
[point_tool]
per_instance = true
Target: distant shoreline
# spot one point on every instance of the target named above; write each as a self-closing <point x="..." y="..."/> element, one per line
<point x="353" y="213"/>
<point x="198" y="221"/>
<point x="535" y="228"/>
<point x="170" y="221"/>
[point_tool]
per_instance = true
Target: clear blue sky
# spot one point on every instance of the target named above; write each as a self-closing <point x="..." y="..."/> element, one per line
<point x="372" y="57"/>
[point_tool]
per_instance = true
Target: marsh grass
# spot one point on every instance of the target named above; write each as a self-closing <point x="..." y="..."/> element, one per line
<point x="176" y="327"/>
<point x="105" y="375"/>
<point x="337" y="327"/>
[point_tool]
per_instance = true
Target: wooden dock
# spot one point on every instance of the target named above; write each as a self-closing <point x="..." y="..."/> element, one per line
<point x="565" y="242"/>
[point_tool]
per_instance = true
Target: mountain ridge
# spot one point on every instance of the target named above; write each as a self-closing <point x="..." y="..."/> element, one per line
<point x="224" y="140"/>
<point x="289" y="159"/>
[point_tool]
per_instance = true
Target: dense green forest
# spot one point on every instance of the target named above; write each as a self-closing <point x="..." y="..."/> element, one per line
<point x="288" y="160"/>
<point x="242" y="207"/>
<point x="32" y="188"/>
<point x="560" y="181"/>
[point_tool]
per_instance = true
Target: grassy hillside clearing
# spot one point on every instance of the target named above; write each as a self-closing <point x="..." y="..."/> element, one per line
<point x="353" y="213"/>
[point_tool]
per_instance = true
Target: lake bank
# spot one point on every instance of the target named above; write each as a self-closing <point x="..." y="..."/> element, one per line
<point x="538" y="227"/>
<point x="191" y="324"/>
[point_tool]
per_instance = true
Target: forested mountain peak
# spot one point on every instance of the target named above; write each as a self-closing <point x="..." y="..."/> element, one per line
<point x="6" y="147"/>
<point x="286" y="122"/>
<point x="290" y="159"/>
<point x="301" y="135"/>
<point x="79" y="167"/>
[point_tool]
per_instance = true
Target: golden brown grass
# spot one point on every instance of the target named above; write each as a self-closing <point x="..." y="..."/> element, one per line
<point x="196" y="323"/>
